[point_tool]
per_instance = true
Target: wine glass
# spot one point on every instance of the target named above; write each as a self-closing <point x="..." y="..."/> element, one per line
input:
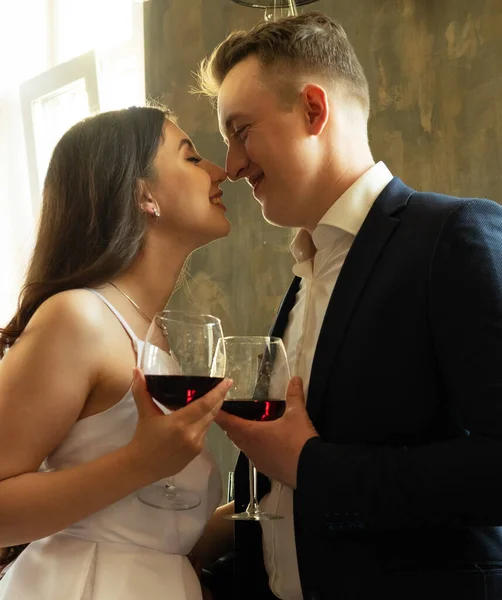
<point x="182" y="360"/>
<point x="260" y="372"/>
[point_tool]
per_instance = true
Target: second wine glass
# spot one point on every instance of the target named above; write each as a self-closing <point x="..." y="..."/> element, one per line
<point x="182" y="360"/>
<point x="259" y="368"/>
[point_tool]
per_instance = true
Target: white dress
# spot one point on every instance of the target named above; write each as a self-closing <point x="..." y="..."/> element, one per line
<point x="127" y="551"/>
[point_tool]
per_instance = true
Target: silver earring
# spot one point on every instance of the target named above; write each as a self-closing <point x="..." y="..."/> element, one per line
<point x="155" y="213"/>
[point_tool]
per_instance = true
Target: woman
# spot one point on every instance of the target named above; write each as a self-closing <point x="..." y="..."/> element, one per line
<point x="126" y="199"/>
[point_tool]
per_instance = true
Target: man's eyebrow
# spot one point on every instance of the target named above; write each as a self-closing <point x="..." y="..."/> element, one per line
<point x="229" y="121"/>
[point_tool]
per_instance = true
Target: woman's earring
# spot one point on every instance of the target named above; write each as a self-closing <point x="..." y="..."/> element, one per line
<point x="155" y="214"/>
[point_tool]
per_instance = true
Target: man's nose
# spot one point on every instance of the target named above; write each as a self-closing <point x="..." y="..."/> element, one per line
<point x="237" y="164"/>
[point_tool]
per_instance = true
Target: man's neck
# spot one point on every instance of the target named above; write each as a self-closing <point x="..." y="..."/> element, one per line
<point x="333" y="185"/>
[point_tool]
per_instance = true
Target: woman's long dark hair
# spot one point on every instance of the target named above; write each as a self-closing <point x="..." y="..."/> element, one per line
<point x="91" y="227"/>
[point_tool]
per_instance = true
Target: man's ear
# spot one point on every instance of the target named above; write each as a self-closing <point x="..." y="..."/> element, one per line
<point x="316" y="107"/>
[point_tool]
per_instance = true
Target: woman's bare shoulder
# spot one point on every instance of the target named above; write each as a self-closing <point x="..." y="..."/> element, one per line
<point x="74" y="312"/>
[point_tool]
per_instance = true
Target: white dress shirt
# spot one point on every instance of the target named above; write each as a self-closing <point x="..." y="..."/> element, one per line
<point x="319" y="259"/>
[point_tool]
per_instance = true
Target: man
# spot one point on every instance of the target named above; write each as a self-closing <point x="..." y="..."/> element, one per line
<point x="389" y="478"/>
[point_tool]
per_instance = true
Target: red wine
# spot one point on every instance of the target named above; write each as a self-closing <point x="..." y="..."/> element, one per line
<point x="255" y="410"/>
<point x="176" y="391"/>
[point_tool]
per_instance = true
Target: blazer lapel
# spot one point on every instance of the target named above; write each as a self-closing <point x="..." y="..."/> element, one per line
<point x="285" y="308"/>
<point x="242" y="466"/>
<point x="364" y="253"/>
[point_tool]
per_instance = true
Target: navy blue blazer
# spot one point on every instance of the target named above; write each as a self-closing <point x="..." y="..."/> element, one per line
<point x="400" y="496"/>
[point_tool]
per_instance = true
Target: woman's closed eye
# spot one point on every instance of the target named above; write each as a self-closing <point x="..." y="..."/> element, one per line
<point x="194" y="159"/>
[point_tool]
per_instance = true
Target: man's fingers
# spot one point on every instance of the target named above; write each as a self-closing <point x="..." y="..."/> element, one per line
<point x="223" y="419"/>
<point x="294" y="393"/>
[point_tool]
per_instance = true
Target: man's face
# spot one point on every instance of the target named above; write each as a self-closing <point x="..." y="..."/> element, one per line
<point x="268" y="144"/>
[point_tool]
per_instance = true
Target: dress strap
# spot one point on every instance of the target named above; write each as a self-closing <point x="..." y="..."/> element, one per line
<point x="134" y="338"/>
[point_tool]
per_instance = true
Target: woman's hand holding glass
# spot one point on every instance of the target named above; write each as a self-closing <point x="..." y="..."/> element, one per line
<point x="164" y="444"/>
<point x="182" y="362"/>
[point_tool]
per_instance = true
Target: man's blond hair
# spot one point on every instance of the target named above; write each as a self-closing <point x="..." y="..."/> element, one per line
<point x="312" y="44"/>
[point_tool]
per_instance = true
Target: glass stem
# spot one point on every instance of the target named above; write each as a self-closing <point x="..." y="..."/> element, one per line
<point x="170" y="488"/>
<point x="253" y="508"/>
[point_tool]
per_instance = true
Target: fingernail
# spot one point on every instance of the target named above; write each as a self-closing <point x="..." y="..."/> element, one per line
<point x="228" y="383"/>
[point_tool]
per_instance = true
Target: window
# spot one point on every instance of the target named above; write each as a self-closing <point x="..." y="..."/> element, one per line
<point x="66" y="58"/>
<point x="51" y="103"/>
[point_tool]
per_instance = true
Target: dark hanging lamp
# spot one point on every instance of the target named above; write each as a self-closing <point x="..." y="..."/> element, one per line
<point x="274" y="9"/>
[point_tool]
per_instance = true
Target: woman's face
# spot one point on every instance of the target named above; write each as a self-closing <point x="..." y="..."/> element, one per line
<point x="186" y="189"/>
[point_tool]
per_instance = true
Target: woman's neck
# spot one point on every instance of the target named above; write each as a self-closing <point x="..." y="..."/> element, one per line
<point x="151" y="279"/>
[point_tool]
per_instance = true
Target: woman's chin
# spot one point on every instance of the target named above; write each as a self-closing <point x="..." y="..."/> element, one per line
<point x="216" y="234"/>
<point x="225" y="229"/>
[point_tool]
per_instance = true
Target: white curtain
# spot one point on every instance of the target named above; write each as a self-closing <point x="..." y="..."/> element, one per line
<point x="35" y="36"/>
<point x="23" y="54"/>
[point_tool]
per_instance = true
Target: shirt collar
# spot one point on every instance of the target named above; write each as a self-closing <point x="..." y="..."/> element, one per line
<point x="346" y="214"/>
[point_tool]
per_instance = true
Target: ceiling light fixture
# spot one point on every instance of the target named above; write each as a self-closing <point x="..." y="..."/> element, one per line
<point x="275" y="9"/>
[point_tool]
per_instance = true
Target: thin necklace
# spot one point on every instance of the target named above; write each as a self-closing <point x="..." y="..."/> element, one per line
<point x="132" y="302"/>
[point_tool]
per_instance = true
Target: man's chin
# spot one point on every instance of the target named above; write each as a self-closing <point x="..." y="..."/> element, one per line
<point x="257" y="198"/>
<point x="274" y="217"/>
<point x="275" y="220"/>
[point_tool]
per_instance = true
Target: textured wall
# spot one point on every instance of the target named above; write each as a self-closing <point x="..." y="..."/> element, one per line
<point x="435" y="75"/>
<point x="179" y="33"/>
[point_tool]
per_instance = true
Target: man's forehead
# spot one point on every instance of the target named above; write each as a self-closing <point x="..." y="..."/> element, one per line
<point x="241" y="84"/>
